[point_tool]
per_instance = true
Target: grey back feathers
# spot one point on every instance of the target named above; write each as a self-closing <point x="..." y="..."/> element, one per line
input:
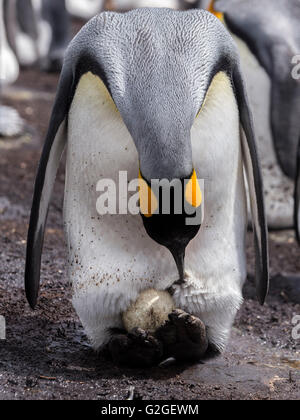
<point x="157" y="65"/>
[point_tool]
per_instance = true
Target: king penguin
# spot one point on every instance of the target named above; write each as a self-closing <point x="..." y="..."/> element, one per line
<point x="268" y="37"/>
<point x="155" y="92"/>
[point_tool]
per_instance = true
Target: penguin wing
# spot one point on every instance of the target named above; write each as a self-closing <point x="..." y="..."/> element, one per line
<point x="53" y="148"/>
<point x="297" y="197"/>
<point x="254" y="177"/>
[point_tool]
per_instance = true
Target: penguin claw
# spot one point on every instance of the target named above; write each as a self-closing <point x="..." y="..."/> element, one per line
<point x="167" y="362"/>
<point x="138" y="348"/>
<point x="184" y="337"/>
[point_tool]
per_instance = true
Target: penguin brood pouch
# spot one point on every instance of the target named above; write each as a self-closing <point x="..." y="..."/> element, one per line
<point x="157" y="94"/>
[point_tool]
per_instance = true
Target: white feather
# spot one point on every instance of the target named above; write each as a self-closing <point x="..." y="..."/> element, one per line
<point x="44" y="31"/>
<point x="26" y="48"/>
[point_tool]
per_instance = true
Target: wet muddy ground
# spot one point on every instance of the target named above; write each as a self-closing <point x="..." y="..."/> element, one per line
<point x="45" y="354"/>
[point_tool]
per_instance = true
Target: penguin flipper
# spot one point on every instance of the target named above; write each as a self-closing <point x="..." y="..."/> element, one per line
<point x="254" y="176"/>
<point x="52" y="151"/>
<point x="297" y="197"/>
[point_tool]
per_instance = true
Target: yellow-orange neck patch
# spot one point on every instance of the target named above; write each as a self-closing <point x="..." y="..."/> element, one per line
<point x="211" y="9"/>
<point x="148" y="200"/>
<point x="193" y="194"/>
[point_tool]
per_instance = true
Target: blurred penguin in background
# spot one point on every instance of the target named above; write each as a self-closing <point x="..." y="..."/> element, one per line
<point x="196" y="4"/>
<point x="33" y="32"/>
<point x="27" y="32"/>
<point x="125" y="5"/>
<point x="38" y="31"/>
<point x="9" y="66"/>
<point x="11" y="124"/>
<point x="55" y="14"/>
<point x="85" y="9"/>
<point x="268" y="37"/>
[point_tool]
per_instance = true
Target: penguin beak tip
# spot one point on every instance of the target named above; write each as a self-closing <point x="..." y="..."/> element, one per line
<point x="179" y="257"/>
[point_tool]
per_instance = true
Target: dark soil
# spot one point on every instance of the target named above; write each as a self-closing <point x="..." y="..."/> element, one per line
<point x="45" y="354"/>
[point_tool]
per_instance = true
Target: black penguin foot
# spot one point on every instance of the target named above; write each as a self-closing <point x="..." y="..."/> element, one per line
<point x="184" y="337"/>
<point x="135" y="349"/>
